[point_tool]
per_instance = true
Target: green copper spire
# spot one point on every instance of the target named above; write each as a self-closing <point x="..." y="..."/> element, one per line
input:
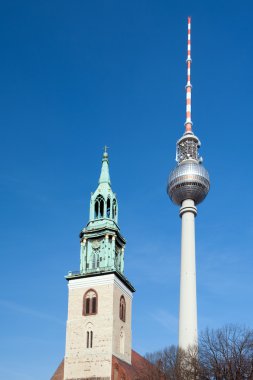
<point x="103" y="201"/>
<point x="105" y="176"/>
<point x="102" y="246"/>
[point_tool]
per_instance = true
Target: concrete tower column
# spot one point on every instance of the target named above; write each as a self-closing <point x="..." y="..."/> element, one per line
<point x="188" y="334"/>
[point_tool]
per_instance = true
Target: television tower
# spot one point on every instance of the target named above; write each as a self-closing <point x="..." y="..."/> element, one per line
<point x="188" y="185"/>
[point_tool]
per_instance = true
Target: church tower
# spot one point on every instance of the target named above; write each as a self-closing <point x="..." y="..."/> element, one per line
<point x="100" y="296"/>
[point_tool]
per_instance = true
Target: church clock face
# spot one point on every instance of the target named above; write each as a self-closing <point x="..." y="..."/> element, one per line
<point x="95" y="245"/>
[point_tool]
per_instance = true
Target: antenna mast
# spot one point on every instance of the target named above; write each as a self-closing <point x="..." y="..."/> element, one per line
<point x="188" y="122"/>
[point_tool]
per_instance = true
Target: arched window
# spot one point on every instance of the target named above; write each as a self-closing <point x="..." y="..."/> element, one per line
<point x="108" y="208"/>
<point x="99" y="207"/>
<point x="122" y="309"/>
<point x="90" y="302"/>
<point x="114" y="209"/>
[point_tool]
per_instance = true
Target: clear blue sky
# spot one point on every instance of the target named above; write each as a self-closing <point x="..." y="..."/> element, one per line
<point x="76" y="75"/>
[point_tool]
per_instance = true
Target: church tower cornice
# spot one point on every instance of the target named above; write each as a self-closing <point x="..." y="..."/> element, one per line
<point x="73" y="275"/>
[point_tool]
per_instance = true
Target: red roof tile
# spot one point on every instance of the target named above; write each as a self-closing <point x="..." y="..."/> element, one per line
<point x="59" y="373"/>
<point x="140" y="369"/>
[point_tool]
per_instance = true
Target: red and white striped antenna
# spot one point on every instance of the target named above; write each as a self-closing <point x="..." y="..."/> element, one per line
<point x="188" y="122"/>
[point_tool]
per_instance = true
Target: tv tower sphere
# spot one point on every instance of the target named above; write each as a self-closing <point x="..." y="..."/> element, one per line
<point x="188" y="185"/>
<point x="189" y="180"/>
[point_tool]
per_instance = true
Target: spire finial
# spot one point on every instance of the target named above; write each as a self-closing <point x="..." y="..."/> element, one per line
<point x="105" y="176"/>
<point x="188" y="122"/>
<point x="105" y="155"/>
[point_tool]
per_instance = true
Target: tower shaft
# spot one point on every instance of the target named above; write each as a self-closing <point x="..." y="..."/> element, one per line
<point x="188" y="334"/>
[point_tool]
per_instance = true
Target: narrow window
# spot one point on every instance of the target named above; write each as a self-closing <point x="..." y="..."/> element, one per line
<point x="108" y="208"/>
<point x="114" y="209"/>
<point x="91" y="339"/>
<point x="87" y="307"/>
<point x="87" y="339"/>
<point x="101" y="209"/>
<point x="94" y="305"/>
<point x="122" y="309"/>
<point x="90" y="302"/>
<point x="96" y="210"/>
